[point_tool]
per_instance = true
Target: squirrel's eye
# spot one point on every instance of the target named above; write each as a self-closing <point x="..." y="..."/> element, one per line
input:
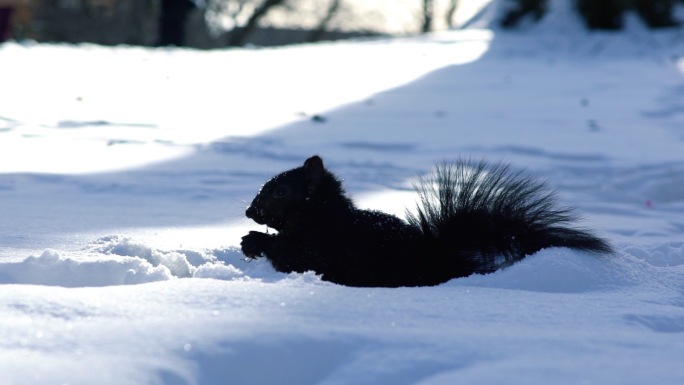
<point x="281" y="191"/>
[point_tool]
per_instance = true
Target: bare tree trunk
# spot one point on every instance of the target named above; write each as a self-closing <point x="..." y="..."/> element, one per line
<point x="427" y="16"/>
<point x="174" y="15"/>
<point x="323" y="25"/>
<point x="239" y="36"/>
<point x="602" y="14"/>
<point x="453" y="6"/>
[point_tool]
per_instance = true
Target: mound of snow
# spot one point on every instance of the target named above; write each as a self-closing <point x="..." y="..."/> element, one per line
<point x="119" y="260"/>
<point x="51" y="268"/>
<point x="175" y="262"/>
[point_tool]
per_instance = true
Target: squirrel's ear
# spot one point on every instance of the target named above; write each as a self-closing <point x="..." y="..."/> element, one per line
<point x="313" y="170"/>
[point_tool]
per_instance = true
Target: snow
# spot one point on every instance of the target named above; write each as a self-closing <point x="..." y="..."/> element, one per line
<point x="125" y="172"/>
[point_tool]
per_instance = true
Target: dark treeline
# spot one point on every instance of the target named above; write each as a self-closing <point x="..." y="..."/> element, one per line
<point x="599" y="14"/>
<point x="185" y="22"/>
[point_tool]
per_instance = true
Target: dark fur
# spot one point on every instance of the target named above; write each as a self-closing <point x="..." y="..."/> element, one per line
<point x="473" y="218"/>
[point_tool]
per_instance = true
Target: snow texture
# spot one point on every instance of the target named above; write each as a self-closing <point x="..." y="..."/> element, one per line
<point x="125" y="172"/>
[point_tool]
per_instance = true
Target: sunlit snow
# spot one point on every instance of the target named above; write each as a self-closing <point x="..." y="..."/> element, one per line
<point x="125" y="172"/>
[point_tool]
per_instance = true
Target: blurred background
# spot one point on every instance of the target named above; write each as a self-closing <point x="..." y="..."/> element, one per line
<point x="221" y="23"/>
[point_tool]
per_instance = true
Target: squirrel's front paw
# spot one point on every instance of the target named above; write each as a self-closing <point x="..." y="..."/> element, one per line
<point x="254" y="244"/>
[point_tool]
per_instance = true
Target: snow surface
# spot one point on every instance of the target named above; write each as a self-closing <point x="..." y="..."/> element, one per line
<point x="124" y="174"/>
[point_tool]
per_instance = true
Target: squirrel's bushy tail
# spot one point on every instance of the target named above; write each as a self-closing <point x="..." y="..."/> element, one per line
<point x="478" y="217"/>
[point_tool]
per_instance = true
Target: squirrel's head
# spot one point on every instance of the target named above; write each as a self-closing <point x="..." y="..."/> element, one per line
<point x="282" y="199"/>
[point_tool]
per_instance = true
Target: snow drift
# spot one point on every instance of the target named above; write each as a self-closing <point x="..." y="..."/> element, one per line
<point x="124" y="174"/>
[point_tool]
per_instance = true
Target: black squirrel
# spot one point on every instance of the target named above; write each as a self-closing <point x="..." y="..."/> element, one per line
<point x="473" y="217"/>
